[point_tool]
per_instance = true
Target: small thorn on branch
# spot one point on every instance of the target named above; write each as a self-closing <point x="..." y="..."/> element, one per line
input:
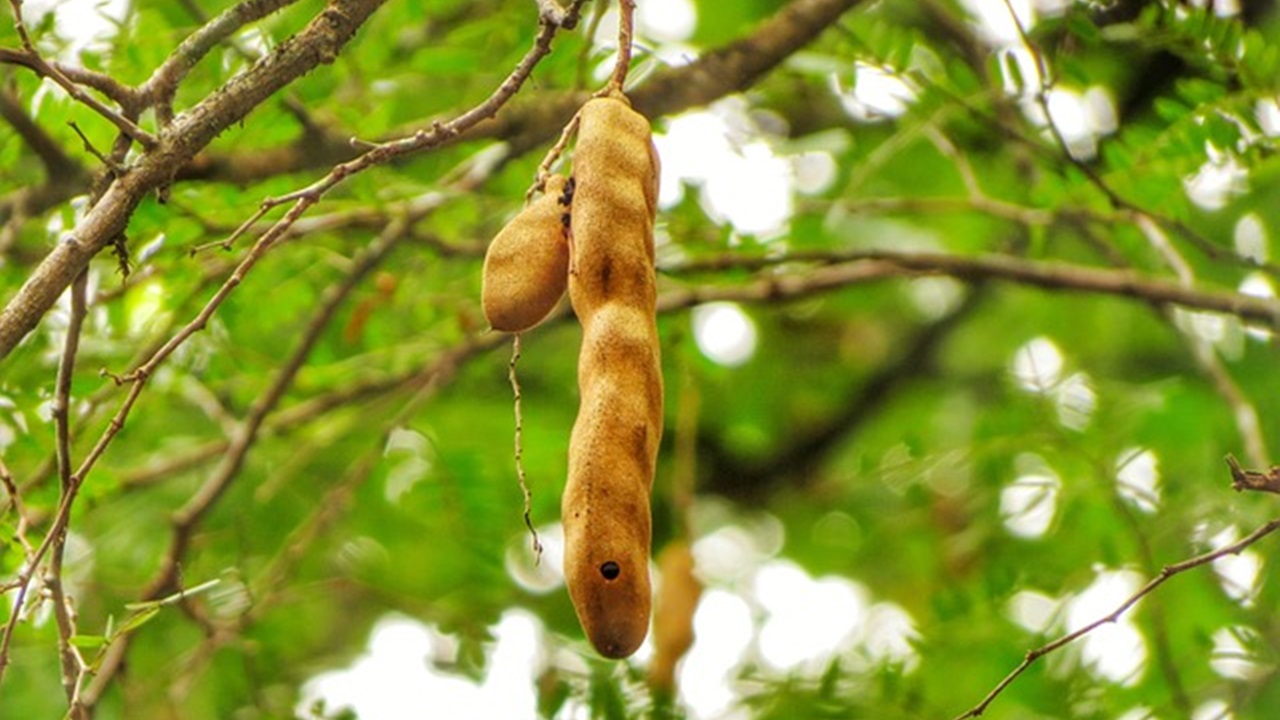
<point x="1242" y="479"/>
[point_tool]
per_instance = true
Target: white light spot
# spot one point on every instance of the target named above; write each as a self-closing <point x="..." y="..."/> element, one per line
<point x="1138" y="479"/>
<point x="1033" y="610"/>
<point x="1238" y="574"/>
<point x="1067" y="109"/>
<point x="146" y="306"/>
<point x="1114" y="651"/>
<point x="1020" y="77"/>
<point x="934" y="297"/>
<point x="1219" y="179"/>
<point x="1100" y="110"/>
<point x="1232" y="656"/>
<point x="724" y="333"/>
<point x="1268" y="114"/>
<point x="876" y="95"/>
<point x="723" y="630"/>
<point x="1139" y="713"/>
<point x="414" y="457"/>
<point x="666" y="20"/>
<point x="685" y="147"/>
<point x="1258" y="284"/>
<point x="1213" y="710"/>
<point x="84" y="24"/>
<point x="726" y="555"/>
<point x="889" y="633"/>
<point x="1037" y="365"/>
<point x="395" y="677"/>
<point x="1075" y="401"/>
<point x="1029" y="503"/>
<point x="1207" y="326"/>
<point x="751" y="191"/>
<point x="814" y="172"/>
<point x="743" y="182"/>
<point x="1250" y="237"/>
<point x="808" y="620"/>
<point x="996" y="25"/>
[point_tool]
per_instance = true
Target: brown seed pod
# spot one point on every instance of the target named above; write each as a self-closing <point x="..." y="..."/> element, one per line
<point x="673" y="612"/>
<point x="614" y="445"/>
<point x="527" y="264"/>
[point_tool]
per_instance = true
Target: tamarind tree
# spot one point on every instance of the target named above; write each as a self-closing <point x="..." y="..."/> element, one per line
<point x="966" y="311"/>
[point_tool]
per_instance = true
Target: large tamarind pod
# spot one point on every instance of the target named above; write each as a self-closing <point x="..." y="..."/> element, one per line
<point x="527" y="264"/>
<point x="614" y="445"/>
<point x="673" y="613"/>
<point x="615" y="171"/>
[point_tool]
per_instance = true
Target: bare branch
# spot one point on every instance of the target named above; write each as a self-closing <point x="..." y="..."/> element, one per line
<point x="160" y="88"/>
<point x="1242" y="479"/>
<point x="319" y="42"/>
<point x="862" y="266"/>
<point x="43" y="68"/>
<point x="1166" y="573"/>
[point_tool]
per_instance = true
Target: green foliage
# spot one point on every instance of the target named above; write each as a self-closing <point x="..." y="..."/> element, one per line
<point x="873" y="445"/>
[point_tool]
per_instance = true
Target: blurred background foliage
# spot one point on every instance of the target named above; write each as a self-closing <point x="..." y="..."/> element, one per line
<point x="935" y="473"/>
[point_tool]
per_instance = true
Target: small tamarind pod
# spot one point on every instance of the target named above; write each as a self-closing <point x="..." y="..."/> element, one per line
<point x="614" y="444"/>
<point x="673" y="612"/>
<point x="527" y="265"/>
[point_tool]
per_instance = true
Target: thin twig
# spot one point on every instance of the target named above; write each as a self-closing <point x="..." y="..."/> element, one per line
<point x="1242" y="410"/>
<point x="73" y="665"/>
<point x="544" y="168"/>
<point x="519" y="447"/>
<point x="42" y="67"/>
<point x="55" y="539"/>
<point x="188" y="517"/>
<point x="1165" y="574"/>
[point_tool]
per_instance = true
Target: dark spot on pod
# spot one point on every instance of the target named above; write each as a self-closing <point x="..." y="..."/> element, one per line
<point x="610" y="570"/>
<point x="606" y="274"/>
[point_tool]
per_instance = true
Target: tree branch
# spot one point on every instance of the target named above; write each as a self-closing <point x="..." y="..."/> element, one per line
<point x="863" y="266"/>
<point x="319" y="42"/>
<point x="1165" y="574"/>
<point x="160" y="88"/>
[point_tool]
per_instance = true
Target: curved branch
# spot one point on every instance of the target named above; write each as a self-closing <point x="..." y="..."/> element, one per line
<point x="1165" y="574"/>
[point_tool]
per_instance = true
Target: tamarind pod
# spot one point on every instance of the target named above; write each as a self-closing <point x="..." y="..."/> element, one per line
<point x="614" y="444"/>
<point x="615" y="171"/>
<point x="612" y="453"/>
<point x="526" y="266"/>
<point x="673" y="612"/>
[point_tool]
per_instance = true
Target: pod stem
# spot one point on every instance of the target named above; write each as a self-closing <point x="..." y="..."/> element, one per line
<point x="544" y="169"/>
<point x="626" y="24"/>
<point x="519" y="448"/>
